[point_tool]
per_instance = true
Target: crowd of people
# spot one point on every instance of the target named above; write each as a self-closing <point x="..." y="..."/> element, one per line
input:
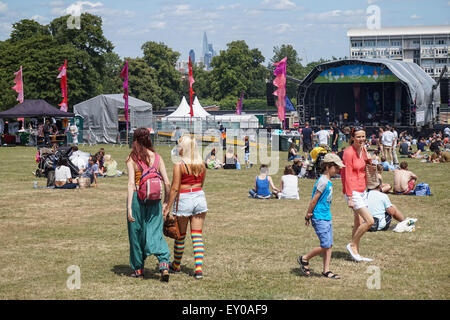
<point x="184" y="196"/>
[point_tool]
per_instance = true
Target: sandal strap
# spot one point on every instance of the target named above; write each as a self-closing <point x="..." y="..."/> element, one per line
<point x="300" y="259"/>
<point x="326" y="274"/>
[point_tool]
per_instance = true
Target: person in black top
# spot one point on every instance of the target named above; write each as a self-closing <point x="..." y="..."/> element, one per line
<point x="247" y="152"/>
<point x="46" y="130"/>
<point x="307" y="134"/>
<point x="421" y="145"/>
<point x="335" y="138"/>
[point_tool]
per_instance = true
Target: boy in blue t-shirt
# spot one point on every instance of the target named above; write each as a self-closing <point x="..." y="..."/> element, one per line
<point x="320" y="215"/>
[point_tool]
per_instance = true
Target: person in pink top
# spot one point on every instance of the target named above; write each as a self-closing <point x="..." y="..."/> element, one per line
<point x="353" y="178"/>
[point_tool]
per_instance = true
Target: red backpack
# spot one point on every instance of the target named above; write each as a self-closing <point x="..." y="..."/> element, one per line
<point x="150" y="185"/>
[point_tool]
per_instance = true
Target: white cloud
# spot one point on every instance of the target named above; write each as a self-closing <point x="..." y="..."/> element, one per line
<point x="337" y="16"/>
<point x="40" y="19"/>
<point x="229" y="7"/>
<point x="79" y="6"/>
<point x="3" y="7"/>
<point x="158" y="25"/>
<point x="281" y="28"/>
<point x="182" y="10"/>
<point x="279" y="4"/>
<point x="415" y="16"/>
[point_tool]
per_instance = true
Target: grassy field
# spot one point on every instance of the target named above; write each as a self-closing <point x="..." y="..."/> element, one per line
<point x="251" y="246"/>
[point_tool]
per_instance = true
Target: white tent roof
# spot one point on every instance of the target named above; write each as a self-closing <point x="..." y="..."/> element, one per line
<point x="237" y="118"/>
<point x="183" y="111"/>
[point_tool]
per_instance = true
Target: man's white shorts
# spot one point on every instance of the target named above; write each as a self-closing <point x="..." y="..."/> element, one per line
<point x="359" y="200"/>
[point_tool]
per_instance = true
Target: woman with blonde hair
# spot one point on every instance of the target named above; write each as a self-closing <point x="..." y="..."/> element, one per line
<point x="145" y="221"/>
<point x="110" y="166"/>
<point x="190" y="206"/>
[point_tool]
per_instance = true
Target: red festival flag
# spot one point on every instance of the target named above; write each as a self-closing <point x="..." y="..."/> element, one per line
<point x="124" y="75"/>
<point x="63" y="76"/>
<point x="280" y="83"/>
<point x="19" y="85"/>
<point x="191" y="91"/>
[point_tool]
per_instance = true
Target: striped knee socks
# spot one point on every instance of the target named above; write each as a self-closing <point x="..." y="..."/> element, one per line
<point x="199" y="249"/>
<point x="178" y="249"/>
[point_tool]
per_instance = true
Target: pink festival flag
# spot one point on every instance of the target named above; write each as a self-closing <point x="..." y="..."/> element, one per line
<point x="19" y="85"/>
<point x="63" y="76"/>
<point x="124" y="75"/>
<point x="280" y="83"/>
<point x="239" y="104"/>
<point x="191" y="91"/>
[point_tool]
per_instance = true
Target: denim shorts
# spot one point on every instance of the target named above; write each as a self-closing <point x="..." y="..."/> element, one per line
<point x="324" y="231"/>
<point x="246" y="156"/>
<point x="190" y="203"/>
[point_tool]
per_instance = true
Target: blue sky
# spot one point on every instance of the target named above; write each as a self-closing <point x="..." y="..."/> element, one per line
<point x="316" y="29"/>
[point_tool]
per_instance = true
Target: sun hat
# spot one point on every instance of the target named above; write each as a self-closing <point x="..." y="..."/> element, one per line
<point x="331" y="157"/>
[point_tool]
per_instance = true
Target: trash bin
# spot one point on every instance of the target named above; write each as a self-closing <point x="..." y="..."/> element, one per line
<point x="284" y="143"/>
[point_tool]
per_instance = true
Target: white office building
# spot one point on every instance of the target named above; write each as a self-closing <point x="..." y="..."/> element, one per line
<point x="427" y="46"/>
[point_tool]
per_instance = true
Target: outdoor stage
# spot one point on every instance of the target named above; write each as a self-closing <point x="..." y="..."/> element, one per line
<point x="372" y="92"/>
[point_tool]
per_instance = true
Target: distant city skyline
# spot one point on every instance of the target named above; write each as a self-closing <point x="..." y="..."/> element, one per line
<point x="316" y="29"/>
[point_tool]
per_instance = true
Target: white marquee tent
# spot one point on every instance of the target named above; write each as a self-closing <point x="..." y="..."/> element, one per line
<point x="183" y="111"/>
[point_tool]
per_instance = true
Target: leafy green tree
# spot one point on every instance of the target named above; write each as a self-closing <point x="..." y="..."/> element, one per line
<point x="163" y="60"/>
<point x="238" y="69"/>
<point x="41" y="56"/>
<point x="89" y="38"/>
<point x="111" y="81"/>
<point x="26" y="28"/>
<point x="142" y="83"/>
<point x="202" y="85"/>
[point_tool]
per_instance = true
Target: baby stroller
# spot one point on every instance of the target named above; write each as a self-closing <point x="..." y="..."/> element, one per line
<point x="48" y="160"/>
<point x="313" y="170"/>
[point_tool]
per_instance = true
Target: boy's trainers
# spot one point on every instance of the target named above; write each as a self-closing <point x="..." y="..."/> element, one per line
<point x="198" y="275"/>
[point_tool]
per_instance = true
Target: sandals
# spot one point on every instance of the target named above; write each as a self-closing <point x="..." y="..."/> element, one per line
<point x="331" y="275"/>
<point x="139" y="274"/>
<point x="303" y="266"/>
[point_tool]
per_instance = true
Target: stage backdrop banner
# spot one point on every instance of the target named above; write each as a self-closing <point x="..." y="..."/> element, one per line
<point x="356" y="73"/>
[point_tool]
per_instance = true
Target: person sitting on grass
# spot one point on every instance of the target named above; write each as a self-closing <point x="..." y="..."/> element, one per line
<point x="319" y="214"/>
<point x="386" y="165"/>
<point x="382" y="209"/>
<point x="211" y="160"/>
<point x="110" y="166"/>
<point x="385" y="187"/>
<point x="292" y="152"/>
<point x="297" y="166"/>
<point x="63" y="176"/>
<point x="404" y="180"/>
<point x="230" y="160"/>
<point x="289" y="184"/>
<point x="91" y="171"/>
<point x="262" y="183"/>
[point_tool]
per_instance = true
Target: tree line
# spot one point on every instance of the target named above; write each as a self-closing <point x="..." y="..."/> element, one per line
<point x="94" y="68"/>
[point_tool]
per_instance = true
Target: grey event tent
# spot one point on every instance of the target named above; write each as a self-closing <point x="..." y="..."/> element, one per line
<point x="101" y="116"/>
